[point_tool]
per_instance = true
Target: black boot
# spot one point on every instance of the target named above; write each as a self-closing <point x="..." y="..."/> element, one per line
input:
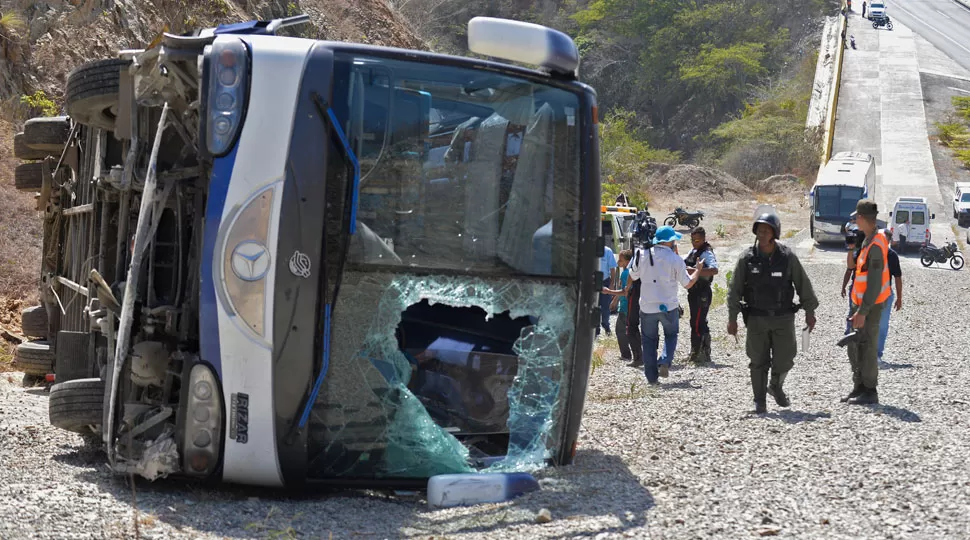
<point x="869" y="396"/>
<point x="705" y="354"/>
<point x="694" y="352"/>
<point x="759" y="385"/>
<point x="856" y="392"/>
<point x="775" y="390"/>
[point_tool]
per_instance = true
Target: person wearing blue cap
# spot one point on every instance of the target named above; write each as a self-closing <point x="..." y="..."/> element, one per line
<point x="660" y="272"/>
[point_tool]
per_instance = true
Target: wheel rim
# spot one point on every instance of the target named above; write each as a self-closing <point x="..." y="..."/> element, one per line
<point x="956" y="262"/>
<point x="926" y="259"/>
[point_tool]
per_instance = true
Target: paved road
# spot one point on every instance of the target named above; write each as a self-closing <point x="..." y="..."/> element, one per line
<point x="944" y="23"/>
<point x="880" y="111"/>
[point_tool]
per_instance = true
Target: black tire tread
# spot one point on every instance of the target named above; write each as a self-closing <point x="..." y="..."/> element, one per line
<point x="29" y="176"/>
<point x="47" y="133"/>
<point x="33" y="322"/>
<point x="22" y="151"/>
<point x="34" y="358"/>
<point x="75" y="405"/>
<point x="92" y="88"/>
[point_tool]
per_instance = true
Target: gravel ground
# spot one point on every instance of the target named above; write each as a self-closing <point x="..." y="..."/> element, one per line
<point x="683" y="460"/>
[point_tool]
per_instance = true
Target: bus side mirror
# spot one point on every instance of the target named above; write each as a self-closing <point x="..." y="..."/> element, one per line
<point x="932" y="216"/>
<point x="890" y="214"/>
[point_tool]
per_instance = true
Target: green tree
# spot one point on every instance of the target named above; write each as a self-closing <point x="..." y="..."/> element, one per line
<point x="722" y="75"/>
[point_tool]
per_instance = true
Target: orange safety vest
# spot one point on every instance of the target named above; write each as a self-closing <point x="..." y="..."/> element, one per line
<point x="862" y="276"/>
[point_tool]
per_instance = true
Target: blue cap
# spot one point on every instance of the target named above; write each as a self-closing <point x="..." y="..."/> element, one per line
<point x="667" y="234"/>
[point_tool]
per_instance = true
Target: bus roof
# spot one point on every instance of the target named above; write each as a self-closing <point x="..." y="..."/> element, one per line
<point x="845" y="169"/>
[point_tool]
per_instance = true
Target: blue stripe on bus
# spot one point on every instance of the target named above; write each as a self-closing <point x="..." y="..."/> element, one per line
<point x="208" y="308"/>
<point x="353" y="161"/>
<point x="323" y="369"/>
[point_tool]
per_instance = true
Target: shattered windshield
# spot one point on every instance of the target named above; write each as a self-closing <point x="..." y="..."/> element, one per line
<point x="454" y="328"/>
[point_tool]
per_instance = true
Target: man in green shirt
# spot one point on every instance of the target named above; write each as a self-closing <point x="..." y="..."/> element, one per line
<point x="763" y="289"/>
<point x="870" y="293"/>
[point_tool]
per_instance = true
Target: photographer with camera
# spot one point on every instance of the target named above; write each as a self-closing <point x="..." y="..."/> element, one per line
<point x="660" y="271"/>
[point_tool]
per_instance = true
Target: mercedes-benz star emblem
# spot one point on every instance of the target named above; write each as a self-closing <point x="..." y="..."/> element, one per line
<point x="250" y="261"/>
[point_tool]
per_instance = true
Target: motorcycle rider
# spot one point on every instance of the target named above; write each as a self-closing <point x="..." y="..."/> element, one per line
<point x="699" y="296"/>
<point x="867" y="305"/>
<point x="763" y="288"/>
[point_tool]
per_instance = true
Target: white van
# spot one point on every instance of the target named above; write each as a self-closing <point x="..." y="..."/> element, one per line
<point x="846" y="179"/>
<point x="912" y="215"/>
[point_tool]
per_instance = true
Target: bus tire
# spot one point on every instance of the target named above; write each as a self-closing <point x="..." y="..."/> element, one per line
<point x="33" y="322"/>
<point x="47" y="133"/>
<point x="34" y="358"/>
<point x="92" y="92"/>
<point x="24" y="152"/>
<point x="77" y="405"/>
<point x="29" y="176"/>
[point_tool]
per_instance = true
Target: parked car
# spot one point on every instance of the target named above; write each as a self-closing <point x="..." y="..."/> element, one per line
<point x="961" y="203"/>
<point x="877" y="10"/>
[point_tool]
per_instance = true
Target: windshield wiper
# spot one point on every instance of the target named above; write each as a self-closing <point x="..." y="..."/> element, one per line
<point x="328" y="117"/>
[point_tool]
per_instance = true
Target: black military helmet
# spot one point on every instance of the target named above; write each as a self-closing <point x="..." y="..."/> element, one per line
<point x="768" y="219"/>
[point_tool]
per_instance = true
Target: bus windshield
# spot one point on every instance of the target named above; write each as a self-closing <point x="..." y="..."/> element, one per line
<point x="462" y="169"/>
<point x="454" y="330"/>
<point x="833" y="202"/>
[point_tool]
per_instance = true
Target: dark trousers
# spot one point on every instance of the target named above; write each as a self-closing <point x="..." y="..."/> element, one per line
<point x="700" y="305"/>
<point x="633" y="335"/>
<point x="622" y="339"/>
<point x="605" y="301"/>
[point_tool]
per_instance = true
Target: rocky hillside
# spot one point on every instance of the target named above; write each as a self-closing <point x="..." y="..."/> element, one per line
<point x="42" y="41"/>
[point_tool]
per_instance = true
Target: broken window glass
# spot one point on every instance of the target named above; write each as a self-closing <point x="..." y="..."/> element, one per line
<point x="385" y="412"/>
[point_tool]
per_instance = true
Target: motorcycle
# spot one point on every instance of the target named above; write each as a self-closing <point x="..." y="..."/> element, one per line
<point x="684" y="218"/>
<point x="882" y="21"/>
<point x="931" y="254"/>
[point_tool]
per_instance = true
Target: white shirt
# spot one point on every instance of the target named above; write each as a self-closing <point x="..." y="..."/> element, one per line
<point x="660" y="282"/>
<point x="899" y="230"/>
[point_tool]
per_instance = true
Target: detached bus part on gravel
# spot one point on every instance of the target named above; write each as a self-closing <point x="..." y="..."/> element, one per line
<point x="285" y="262"/>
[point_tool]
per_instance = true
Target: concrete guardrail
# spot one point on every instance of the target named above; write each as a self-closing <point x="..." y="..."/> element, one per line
<point x="828" y="132"/>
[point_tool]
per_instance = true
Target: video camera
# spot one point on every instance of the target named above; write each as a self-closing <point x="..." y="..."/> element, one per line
<point x="853" y="236"/>
<point x="643" y="230"/>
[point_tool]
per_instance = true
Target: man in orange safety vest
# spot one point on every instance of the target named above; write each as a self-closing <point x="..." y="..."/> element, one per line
<point x="870" y="291"/>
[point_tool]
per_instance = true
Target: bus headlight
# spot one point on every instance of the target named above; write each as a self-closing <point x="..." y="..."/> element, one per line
<point x="227" y="66"/>
<point x="202" y="437"/>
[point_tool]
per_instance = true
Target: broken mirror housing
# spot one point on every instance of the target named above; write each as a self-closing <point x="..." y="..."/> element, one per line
<point x="524" y="42"/>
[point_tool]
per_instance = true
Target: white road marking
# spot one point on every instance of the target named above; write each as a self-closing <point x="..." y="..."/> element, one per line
<point x="959" y="90"/>
<point x="941" y="13"/>
<point x="931" y="27"/>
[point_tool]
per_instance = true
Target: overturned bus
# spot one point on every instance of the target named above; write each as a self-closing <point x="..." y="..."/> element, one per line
<point x="284" y="262"/>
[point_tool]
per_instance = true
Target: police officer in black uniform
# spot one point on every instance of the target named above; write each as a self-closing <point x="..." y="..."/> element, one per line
<point x="700" y="295"/>
<point x="763" y="290"/>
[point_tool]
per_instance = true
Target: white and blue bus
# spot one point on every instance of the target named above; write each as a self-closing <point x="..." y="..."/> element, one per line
<point x="286" y="262"/>
<point x="846" y="179"/>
